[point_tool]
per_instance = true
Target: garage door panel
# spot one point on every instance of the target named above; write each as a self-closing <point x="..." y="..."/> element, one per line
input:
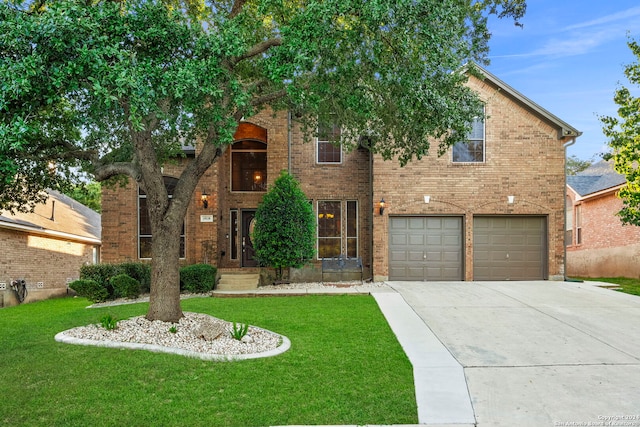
<point x="509" y="247"/>
<point x="432" y="248"/>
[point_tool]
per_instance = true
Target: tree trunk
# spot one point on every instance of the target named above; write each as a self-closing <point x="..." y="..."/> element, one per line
<point x="164" y="301"/>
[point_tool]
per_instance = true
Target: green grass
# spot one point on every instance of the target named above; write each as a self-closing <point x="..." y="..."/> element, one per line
<point x="345" y="366"/>
<point x="627" y="285"/>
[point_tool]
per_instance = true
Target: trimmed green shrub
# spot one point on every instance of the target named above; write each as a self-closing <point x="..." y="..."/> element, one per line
<point x="125" y="286"/>
<point x="90" y="289"/>
<point x="100" y="273"/>
<point x="140" y="271"/>
<point x="285" y="230"/>
<point x="197" y="278"/>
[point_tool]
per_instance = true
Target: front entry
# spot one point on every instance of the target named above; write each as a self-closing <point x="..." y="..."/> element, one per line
<point x="248" y="252"/>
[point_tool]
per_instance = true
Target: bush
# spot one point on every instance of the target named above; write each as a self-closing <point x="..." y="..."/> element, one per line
<point x="90" y="289"/>
<point x="125" y="286"/>
<point x="140" y="271"/>
<point x="100" y="273"/>
<point x="197" y="278"/>
<point x="103" y="273"/>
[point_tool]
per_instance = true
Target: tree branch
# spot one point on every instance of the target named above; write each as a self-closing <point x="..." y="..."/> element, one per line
<point x="268" y="97"/>
<point x="110" y="170"/>
<point x="257" y="50"/>
<point x="236" y="8"/>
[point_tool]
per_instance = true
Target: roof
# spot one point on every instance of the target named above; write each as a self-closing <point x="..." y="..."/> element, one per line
<point x="596" y="178"/>
<point x="61" y="216"/>
<point x="565" y="129"/>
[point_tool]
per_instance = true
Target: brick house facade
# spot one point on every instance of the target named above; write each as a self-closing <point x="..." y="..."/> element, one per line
<point x="511" y="190"/>
<point x="47" y="247"/>
<point x="598" y="244"/>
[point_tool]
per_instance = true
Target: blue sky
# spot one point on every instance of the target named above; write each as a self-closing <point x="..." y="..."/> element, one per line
<point x="569" y="58"/>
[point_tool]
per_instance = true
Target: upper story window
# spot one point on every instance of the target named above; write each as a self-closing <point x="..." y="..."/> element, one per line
<point x="472" y="149"/>
<point x="327" y="148"/>
<point x="144" y="221"/>
<point x="249" y="166"/>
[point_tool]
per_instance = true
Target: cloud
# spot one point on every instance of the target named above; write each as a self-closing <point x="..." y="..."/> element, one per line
<point x="625" y="15"/>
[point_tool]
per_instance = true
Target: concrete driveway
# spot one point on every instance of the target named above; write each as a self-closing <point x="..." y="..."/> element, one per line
<point x="537" y="353"/>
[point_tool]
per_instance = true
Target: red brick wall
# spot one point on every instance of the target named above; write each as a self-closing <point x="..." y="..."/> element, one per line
<point x="524" y="158"/>
<point x="608" y="247"/>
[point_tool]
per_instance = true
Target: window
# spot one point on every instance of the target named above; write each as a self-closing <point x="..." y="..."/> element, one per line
<point x="249" y="166"/>
<point x="578" y="224"/>
<point x="144" y="222"/>
<point x="471" y="150"/>
<point x="568" y="239"/>
<point x="352" y="229"/>
<point x="234" y="234"/>
<point x="327" y="149"/>
<point x="332" y="239"/>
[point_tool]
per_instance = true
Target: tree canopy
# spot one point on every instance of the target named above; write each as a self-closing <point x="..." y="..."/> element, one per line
<point x="624" y="139"/>
<point x="115" y="88"/>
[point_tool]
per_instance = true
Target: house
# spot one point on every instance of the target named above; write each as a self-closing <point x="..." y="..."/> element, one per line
<point x="492" y="208"/>
<point x="598" y="244"/>
<point x="47" y="247"/>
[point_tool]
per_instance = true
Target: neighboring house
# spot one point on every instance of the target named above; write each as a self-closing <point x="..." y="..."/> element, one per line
<point x="47" y="247"/>
<point x="598" y="244"/>
<point x="491" y="208"/>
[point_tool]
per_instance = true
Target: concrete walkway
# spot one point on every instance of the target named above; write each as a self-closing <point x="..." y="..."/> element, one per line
<point x="536" y="353"/>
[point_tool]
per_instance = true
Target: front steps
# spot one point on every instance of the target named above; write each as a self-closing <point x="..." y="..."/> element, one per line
<point x="238" y="281"/>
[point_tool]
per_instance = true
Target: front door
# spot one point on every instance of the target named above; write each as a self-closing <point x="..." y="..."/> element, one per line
<point x="248" y="253"/>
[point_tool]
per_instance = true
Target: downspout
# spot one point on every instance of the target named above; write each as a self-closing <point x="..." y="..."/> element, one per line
<point x="564" y="202"/>
<point x="289" y="141"/>
<point x="371" y="249"/>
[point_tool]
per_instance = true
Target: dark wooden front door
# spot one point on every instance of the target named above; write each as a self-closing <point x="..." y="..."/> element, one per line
<point x="248" y="253"/>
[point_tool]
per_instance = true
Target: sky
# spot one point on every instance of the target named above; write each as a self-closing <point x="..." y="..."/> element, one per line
<point x="569" y="58"/>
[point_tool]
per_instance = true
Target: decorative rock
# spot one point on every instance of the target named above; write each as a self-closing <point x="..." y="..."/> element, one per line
<point x="247" y="339"/>
<point x="209" y="329"/>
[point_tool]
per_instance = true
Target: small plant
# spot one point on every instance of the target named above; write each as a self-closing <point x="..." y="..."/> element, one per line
<point x="239" y="331"/>
<point x="173" y="329"/>
<point x="109" y="322"/>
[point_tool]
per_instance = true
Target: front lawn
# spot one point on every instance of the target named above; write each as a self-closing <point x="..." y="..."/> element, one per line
<point x="627" y="285"/>
<point x="345" y="366"/>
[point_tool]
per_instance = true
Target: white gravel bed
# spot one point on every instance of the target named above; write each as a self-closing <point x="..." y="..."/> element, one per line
<point x="140" y="333"/>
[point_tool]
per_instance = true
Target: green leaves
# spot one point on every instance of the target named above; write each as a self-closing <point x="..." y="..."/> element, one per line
<point x="284" y="234"/>
<point x="623" y="133"/>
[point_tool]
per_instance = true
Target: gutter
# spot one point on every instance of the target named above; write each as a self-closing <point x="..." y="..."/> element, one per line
<point x="51" y="233"/>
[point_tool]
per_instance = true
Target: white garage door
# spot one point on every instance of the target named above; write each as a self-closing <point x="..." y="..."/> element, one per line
<point x="425" y="248"/>
<point x="509" y="248"/>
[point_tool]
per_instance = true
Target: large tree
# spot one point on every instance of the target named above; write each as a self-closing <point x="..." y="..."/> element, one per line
<point x="624" y="139"/>
<point x="116" y="88"/>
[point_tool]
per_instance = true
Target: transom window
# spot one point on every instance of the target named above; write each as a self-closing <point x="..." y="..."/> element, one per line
<point x="327" y="148"/>
<point x="249" y="166"/>
<point x="335" y="236"/>
<point x="144" y="221"/>
<point x="472" y="149"/>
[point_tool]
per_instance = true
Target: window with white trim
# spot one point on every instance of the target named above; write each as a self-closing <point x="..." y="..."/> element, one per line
<point x="335" y="236"/>
<point x="472" y="149"/>
<point x="327" y="148"/>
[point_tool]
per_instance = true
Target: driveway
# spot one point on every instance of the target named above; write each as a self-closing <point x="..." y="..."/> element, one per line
<point x="537" y="353"/>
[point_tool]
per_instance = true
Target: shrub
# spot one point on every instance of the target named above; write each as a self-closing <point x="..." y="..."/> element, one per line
<point x="140" y="271"/>
<point x="90" y="289"/>
<point x="100" y="273"/>
<point x="125" y="286"/>
<point x="197" y="278"/>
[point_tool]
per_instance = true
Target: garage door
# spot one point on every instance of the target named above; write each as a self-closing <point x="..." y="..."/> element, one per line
<point x="509" y="248"/>
<point x="425" y="248"/>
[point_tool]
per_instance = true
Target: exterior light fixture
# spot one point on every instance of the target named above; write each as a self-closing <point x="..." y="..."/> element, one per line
<point x="205" y="199"/>
<point x="511" y="199"/>
<point x="381" y="206"/>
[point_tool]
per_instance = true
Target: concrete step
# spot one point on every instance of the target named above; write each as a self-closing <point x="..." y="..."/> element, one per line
<point x="238" y="281"/>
